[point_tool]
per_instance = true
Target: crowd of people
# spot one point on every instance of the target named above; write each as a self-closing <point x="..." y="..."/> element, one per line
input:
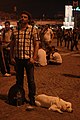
<point x="69" y="36"/>
<point x="26" y="46"/>
<point x="45" y="35"/>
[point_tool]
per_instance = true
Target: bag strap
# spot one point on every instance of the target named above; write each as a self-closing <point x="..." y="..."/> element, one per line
<point x="30" y="43"/>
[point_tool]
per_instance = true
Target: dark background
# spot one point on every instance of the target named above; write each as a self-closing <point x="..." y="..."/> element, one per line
<point x="36" y="7"/>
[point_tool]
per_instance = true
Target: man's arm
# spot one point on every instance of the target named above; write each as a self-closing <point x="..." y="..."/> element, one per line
<point x="36" y="47"/>
<point x="35" y="44"/>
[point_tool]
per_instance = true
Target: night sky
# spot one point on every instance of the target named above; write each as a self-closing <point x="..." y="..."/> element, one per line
<point x="36" y="7"/>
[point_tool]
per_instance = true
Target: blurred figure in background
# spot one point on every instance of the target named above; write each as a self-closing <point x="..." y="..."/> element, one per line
<point x="75" y="39"/>
<point x="55" y="57"/>
<point x="41" y="60"/>
<point x="59" y="34"/>
<point x="5" y="49"/>
<point x="47" y="36"/>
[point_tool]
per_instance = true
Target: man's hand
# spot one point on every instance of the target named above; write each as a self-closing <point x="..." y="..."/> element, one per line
<point x="13" y="62"/>
<point x="32" y="60"/>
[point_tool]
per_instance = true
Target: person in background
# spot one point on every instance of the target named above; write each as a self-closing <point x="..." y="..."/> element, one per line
<point x="65" y="34"/>
<point x="26" y="44"/>
<point x="75" y="39"/>
<point x="69" y="40"/>
<point x="55" y="57"/>
<point x="2" y="64"/>
<point x="6" y="35"/>
<point x="47" y="36"/>
<point x="59" y="34"/>
<point x="41" y="60"/>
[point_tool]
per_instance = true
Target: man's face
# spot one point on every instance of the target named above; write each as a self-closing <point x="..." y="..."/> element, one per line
<point x="24" y="18"/>
<point x="7" y="26"/>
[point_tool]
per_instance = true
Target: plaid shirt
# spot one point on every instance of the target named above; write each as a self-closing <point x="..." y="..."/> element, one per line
<point x="24" y="42"/>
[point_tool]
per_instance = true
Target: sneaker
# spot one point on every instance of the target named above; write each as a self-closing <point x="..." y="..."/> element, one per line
<point x="7" y="75"/>
<point x="30" y="107"/>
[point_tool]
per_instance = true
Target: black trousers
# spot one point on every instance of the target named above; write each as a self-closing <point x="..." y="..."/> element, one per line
<point x="2" y="64"/>
<point x="29" y="67"/>
<point x="74" y="44"/>
<point x="7" y="59"/>
<point x="4" y="61"/>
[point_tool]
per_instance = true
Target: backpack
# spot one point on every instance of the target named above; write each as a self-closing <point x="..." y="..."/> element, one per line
<point x="16" y="95"/>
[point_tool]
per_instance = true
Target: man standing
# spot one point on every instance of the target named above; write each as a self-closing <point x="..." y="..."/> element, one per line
<point x="75" y="37"/>
<point x="25" y="42"/>
<point x="5" y="49"/>
<point x="47" y="36"/>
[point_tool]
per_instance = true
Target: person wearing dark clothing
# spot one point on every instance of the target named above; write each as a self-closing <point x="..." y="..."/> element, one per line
<point x="69" y="40"/>
<point x="6" y="35"/>
<point x="54" y="57"/>
<point x="3" y="64"/>
<point x="59" y="36"/>
<point x="75" y="40"/>
<point x="26" y="43"/>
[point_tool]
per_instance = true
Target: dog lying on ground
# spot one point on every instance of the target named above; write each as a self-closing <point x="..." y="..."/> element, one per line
<point x="53" y="103"/>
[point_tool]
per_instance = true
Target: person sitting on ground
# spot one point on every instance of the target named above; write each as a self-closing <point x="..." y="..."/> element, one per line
<point x="41" y="60"/>
<point x="55" y="57"/>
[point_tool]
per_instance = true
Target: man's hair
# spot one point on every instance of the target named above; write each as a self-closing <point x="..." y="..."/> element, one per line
<point x="27" y="13"/>
<point x="55" y="49"/>
<point x="7" y="22"/>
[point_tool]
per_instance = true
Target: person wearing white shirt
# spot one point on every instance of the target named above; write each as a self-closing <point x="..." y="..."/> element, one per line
<point x="55" y="57"/>
<point x="48" y="36"/>
<point x="42" y="56"/>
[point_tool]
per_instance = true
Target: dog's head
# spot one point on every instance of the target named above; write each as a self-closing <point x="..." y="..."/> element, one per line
<point x="67" y="107"/>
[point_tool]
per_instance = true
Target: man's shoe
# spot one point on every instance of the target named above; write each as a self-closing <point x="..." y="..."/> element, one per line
<point x="7" y="75"/>
<point x="30" y="107"/>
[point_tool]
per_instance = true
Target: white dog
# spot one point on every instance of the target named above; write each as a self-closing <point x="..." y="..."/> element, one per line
<point x="53" y="103"/>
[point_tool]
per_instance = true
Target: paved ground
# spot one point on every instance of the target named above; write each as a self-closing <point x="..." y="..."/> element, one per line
<point x="62" y="81"/>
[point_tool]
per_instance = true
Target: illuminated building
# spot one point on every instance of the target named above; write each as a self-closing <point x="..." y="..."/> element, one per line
<point x="69" y="19"/>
